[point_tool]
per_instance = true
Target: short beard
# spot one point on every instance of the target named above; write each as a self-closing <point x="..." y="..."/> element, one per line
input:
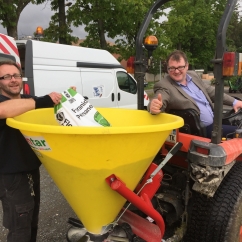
<point x="10" y="94"/>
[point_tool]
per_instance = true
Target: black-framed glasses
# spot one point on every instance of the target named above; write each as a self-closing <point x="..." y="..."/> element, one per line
<point x="9" y="77"/>
<point x="179" y="68"/>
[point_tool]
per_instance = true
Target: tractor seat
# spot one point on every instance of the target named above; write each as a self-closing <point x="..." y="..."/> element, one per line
<point x="192" y="123"/>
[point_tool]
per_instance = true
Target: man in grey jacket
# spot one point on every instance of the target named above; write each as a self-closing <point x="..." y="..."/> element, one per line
<point x="183" y="89"/>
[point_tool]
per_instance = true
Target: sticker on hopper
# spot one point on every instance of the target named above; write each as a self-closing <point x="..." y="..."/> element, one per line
<point x="37" y="143"/>
<point x="172" y="137"/>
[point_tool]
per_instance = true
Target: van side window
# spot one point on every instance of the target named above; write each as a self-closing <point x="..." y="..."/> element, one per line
<point x="126" y="83"/>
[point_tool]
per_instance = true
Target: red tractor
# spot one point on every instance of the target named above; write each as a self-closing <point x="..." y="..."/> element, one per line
<point x="200" y="197"/>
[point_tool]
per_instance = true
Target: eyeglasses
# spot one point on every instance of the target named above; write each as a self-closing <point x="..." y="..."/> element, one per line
<point x="179" y="68"/>
<point x="9" y="77"/>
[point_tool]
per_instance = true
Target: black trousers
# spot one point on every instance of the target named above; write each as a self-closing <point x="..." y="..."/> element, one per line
<point x="227" y="130"/>
<point x="20" y="196"/>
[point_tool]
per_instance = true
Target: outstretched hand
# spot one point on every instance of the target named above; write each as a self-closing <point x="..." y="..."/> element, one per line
<point x="56" y="97"/>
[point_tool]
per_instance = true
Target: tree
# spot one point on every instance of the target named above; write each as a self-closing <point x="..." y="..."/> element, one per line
<point x="119" y="20"/>
<point x="10" y="12"/>
<point x="234" y="33"/>
<point x="59" y="29"/>
<point x="155" y="67"/>
<point x="192" y="27"/>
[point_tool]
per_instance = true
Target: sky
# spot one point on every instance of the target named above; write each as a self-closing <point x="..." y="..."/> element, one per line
<point x="38" y="15"/>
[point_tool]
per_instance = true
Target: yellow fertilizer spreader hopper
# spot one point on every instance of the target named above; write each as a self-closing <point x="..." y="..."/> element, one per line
<point x="98" y="169"/>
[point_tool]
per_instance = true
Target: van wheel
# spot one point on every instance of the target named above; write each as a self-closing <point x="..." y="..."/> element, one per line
<point x="218" y="219"/>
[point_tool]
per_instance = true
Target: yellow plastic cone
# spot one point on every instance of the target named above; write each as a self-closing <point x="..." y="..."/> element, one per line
<point x="80" y="158"/>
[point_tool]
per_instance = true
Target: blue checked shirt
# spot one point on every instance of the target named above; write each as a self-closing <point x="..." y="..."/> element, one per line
<point x="206" y="113"/>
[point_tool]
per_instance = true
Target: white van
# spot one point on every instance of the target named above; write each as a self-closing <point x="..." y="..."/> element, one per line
<point x="96" y="73"/>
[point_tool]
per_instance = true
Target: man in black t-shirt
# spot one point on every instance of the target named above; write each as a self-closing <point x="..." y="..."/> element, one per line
<point x="19" y="166"/>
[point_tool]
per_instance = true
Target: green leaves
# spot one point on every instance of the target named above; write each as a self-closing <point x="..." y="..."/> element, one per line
<point x="9" y="14"/>
<point x="190" y="25"/>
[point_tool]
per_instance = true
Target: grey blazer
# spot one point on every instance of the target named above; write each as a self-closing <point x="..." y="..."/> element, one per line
<point x="173" y="96"/>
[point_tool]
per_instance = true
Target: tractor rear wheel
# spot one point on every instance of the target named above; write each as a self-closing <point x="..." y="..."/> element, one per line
<point x="218" y="219"/>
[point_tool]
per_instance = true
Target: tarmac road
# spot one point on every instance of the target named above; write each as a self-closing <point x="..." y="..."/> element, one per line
<point x="54" y="210"/>
<point x="54" y="213"/>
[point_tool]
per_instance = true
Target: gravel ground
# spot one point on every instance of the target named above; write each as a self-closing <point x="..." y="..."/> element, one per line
<point x="54" y="213"/>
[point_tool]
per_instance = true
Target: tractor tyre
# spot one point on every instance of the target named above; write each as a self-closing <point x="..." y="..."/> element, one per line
<point x="218" y="219"/>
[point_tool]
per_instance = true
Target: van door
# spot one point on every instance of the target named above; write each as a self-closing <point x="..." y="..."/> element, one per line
<point x="127" y="90"/>
<point x="49" y="79"/>
<point x="99" y="87"/>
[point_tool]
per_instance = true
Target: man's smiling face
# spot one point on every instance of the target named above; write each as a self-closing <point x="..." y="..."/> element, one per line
<point x="10" y="86"/>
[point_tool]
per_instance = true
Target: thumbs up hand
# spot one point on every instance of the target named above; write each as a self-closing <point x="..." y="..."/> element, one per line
<point x="156" y="105"/>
